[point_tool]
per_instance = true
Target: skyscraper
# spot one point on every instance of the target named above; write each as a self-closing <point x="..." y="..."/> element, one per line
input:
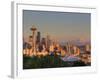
<point x="33" y="29"/>
<point x="38" y="38"/>
<point x="48" y="41"/>
<point x="43" y="41"/>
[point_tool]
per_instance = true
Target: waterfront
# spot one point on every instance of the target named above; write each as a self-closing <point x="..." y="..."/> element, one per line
<point x="47" y="53"/>
<point x="56" y="39"/>
<point x="51" y="61"/>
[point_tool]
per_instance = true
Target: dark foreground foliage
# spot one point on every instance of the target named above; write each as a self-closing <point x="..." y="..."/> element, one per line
<point x="48" y="62"/>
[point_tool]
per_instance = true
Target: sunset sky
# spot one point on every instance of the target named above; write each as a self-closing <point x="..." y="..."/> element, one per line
<point x="59" y="25"/>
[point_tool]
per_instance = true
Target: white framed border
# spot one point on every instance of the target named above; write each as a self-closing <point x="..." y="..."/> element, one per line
<point x="17" y="27"/>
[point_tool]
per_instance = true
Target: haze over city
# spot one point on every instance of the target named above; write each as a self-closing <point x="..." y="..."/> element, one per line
<point x="62" y="26"/>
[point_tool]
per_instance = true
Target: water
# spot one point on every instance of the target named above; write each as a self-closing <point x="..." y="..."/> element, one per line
<point x="70" y="58"/>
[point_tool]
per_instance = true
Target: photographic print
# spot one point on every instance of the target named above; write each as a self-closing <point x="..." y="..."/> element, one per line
<point x="54" y="39"/>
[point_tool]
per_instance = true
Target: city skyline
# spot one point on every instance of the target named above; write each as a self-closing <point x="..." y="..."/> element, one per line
<point x="61" y="26"/>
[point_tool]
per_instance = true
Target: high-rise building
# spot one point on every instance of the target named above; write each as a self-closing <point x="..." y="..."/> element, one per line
<point x="68" y="47"/>
<point x="88" y="48"/>
<point x="48" y="41"/>
<point x="43" y="41"/>
<point x="38" y="38"/>
<point x="33" y="29"/>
